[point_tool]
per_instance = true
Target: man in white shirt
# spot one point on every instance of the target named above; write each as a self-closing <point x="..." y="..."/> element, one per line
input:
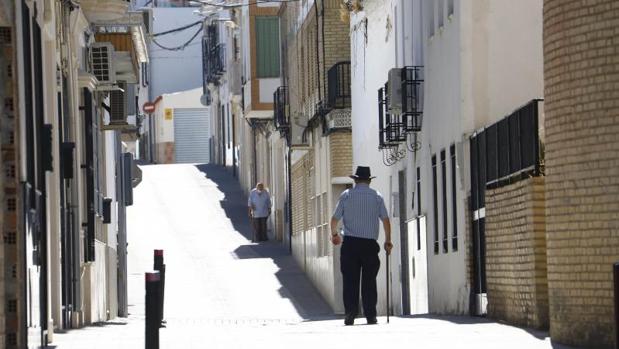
<point x="259" y="205"/>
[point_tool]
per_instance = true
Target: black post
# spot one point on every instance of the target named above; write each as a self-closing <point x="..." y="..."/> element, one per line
<point x="616" y="283"/>
<point x="152" y="322"/>
<point x="160" y="267"/>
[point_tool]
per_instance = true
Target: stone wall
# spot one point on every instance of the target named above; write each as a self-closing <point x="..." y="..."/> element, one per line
<point x="581" y="72"/>
<point x="516" y="254"/>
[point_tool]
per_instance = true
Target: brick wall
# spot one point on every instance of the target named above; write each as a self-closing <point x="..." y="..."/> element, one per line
<point x="581" y="72"/>
<point x="340" y="144"/>
<point x="516" y="254"/>
<point x="337" y="38"/>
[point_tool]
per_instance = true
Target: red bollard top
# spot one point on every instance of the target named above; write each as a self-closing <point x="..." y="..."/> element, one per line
<point x="152" y="276"/>
<point x="158" y="253"/>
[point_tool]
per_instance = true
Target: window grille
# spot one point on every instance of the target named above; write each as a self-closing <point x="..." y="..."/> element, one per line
<point x="444" y="200"/>
<point x="10" y="238"/>
<point x="339" y="95"/>
<point x="435" y="201"/>
<point x="5" y="35"/>
<point x="454" y="212"/>
<point x="508" y="150"/>
<point x="281" y="110"/>
<point x="412" y="98"/>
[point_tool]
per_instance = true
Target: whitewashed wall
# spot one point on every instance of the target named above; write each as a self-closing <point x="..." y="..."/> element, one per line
<point x="372" y="55"/>
<point x="173" y="71"/>
<point x="484" y="62"/>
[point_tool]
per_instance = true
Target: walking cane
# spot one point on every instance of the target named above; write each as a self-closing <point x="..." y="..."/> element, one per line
<point x="387" y="257"/>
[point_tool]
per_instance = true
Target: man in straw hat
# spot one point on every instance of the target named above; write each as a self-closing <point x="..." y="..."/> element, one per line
<point x="360" y="208"/>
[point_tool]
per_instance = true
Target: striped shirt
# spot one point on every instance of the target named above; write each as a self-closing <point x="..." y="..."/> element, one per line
<point x="361" y="208"/>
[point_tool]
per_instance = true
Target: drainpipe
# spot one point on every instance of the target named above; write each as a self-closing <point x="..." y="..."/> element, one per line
<point x="253" y="131"/>
<point x="233" y="146"/>
<point x="289" y="185"/>
<point x="318" y="56"/>
<point x="324" y="54"/>
<point x="74" y="203"/>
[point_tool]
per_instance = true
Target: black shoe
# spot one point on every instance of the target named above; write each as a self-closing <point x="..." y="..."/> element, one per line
<point x="349" y="320"/>
<point x="372" y="320"/>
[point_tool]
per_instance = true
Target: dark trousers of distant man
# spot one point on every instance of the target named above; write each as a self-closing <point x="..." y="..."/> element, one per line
<point x="359" y="263"/>
<point x="260" y="229"/>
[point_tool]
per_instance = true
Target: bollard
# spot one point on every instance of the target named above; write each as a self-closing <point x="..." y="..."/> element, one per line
<point x="160" y="267"/>
<point x="158" y="258"/>
<point x="616" y="283"/>
<point x="152" y="322"/>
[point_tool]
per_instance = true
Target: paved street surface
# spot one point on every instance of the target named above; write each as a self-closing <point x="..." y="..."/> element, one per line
<point x="222" y="291"/>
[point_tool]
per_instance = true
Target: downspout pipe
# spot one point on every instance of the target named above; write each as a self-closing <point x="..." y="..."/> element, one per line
<point x="255" y="169"/>
<point x="318" y="55"/>
<point x="289" y="185"/>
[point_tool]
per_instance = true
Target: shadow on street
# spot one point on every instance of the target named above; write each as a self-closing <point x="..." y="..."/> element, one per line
<point x="304" y="296"/>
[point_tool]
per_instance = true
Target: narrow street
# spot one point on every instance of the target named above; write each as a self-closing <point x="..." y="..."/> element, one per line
<point x="222" y="291"/>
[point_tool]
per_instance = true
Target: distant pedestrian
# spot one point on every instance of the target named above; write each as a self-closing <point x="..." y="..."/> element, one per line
<point x="360" y="208"/>
<point x="259" y="205"/>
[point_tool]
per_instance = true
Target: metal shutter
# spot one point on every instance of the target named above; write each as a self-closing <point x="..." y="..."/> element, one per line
<point x="191" y="135"/>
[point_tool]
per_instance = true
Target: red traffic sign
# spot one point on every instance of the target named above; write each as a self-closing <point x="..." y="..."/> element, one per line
<point x="148" y="107"/>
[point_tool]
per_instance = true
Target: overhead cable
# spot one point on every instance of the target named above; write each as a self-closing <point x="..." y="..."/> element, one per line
<point x="255" y="2"/>
<point x="181" y="47"/>
<point x="178" y="29"/>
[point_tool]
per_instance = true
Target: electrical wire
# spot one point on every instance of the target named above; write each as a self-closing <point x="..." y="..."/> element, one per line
<point x="255" y="2"/>
<point x="178" y="29"/>
<point x="180" y="47"/>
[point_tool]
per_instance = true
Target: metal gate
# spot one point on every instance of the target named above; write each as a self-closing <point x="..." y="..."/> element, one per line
<point x="191" y="135"/>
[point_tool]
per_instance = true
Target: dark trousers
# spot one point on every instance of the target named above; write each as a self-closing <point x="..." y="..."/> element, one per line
<point x="359" y="262"/>
<point x="260" y="229"/>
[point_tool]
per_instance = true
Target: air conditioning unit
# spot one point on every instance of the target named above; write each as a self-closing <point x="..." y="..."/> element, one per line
<point x="394" y="90"/>
<point x="101" y="60"/>
<point x="118" y="106"/>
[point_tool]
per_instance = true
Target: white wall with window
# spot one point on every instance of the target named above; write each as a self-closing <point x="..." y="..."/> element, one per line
<point x="479" y="67"/>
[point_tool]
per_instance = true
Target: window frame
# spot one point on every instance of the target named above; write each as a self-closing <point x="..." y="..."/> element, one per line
<point x="274" y="70"/>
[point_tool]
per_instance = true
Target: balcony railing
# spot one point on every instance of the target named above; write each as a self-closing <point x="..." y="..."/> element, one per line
<point x="390" y="128"/>
<point x="339" y="96"/>
<point x="412" y="98"/>
<point x="281" y="110"/>
<point x="213" y="56"/>
<point x="404" y="117"/>
<point x="213" y="62"/>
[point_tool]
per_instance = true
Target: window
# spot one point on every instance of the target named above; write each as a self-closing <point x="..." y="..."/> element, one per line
<point x="444" y="197"/>
<point x="267" y="47"/>
<point x="454" y="212"/>
<point x="441" y="19"/>
<point x="435" y="196"/>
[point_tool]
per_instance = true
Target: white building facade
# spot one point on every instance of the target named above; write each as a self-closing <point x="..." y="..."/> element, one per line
<point x="476" y="62"/>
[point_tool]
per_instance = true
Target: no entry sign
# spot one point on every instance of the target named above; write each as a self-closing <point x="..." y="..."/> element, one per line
<point x="148" y="107"/>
